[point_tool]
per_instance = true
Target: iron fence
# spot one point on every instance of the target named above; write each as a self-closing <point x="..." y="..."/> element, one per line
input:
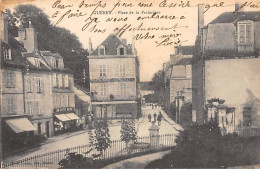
<point x="117" y="148"/>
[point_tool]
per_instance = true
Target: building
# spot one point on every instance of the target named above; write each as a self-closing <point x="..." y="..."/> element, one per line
<point x="178" y="81"/>
<point x="24" y="89"/>
<point x="63" y="100"/>
<point x="225" y="70"/>
<point x="114" y="79"/>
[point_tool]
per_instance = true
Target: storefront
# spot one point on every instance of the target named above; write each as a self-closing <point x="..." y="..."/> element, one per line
<point x="18" y="133"/>
<point x="64" y="123"/>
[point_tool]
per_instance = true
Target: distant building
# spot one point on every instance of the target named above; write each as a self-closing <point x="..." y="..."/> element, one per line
<point x="114" y="79"/>
<point x="225" y="70"/>
<point x="178" y="80"/>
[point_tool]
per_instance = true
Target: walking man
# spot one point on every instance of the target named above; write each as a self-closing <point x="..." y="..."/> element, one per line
<point x="149" y="117"/>
<point x="154" y="115"/>
<point x="159" y="119"/>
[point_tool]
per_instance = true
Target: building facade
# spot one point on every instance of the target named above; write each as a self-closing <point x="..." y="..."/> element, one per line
<point x="114" y="79"/>
<point x="224" y="70"/>
<point x="178" y="81"/>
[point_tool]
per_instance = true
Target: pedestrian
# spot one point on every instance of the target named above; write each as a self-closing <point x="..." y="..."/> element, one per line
<point x="159" y="118"/>
<point x="154" y="115"/>
<point x="149" y="117"/>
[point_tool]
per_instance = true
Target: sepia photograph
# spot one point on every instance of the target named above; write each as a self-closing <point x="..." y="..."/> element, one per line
<point x="129" y="84"/>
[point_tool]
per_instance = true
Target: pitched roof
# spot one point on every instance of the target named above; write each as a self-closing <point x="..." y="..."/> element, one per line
<point x="184" y="61"/>
<point x="230" y="17"/>
<point x="186" y="50"/>
<point x="111" y="44"/>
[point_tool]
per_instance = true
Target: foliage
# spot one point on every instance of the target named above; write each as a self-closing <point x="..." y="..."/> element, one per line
<point x="157" y="84"/>
<point x="173" y="111"/>
<point x="51" y="38"/>
<point x="76" y="161"/>
<point x="186" y="114"/>
<point x="128" y="131"/>
<point x="203" y="146"/>
<point x="102" y="136"/>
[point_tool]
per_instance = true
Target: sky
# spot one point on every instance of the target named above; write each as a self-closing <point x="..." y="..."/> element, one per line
<point x="151" y="57"/>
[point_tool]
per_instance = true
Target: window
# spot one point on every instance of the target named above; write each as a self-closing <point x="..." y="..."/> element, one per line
<point x="60" y="80"/>
<point x="103" y="70"/>
<point x="122" y="70"/>
<point x="245" y="32"/>
<point x="60" y="63"/>
<point x="37" y="62"/>
<point x="38" y="85"/>
<point x="29" y="84"/>
<point x="38" y="107"/>
<point x="7" y="54"/>
<point x="54" y="80"/>
<point x="11" y="104"/>
<point x="10" y="79"/>
<point x="66" y="81"/>
<point x="53" y="63"/>
<point x="102" y="51"/>
<point x="121" y="51"/>
<point x="58" y="101"/>
<point x="123" y="88"/>
<point x="30" y="107"/>
<point x="66" y="100"/>
<point x="103" y="89"/>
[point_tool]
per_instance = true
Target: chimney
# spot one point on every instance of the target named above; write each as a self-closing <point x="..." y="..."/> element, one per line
<point x="90" y="45"/>
<point x="29" y="38"/>
<point x="4" y="27"/>
<point x="200" y="18"/>
<point x="237" y="6"/>
<point x="124" y="41"/>
<point x="176" y="50"/>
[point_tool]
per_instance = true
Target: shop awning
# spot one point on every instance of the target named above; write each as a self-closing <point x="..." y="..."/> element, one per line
<point x="20" y="125"/>
<point x="63" y="117"/>
<point x="72" y="116"/>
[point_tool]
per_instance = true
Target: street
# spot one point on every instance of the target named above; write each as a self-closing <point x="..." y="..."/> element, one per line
<point x="82" y="137"/>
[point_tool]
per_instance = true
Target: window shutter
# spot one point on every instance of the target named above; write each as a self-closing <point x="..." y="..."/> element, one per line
<point x="13" y="78"/>
<point x="5" y="78"/>
<point x="42" y="87"/>
<point x="14" y="104"/>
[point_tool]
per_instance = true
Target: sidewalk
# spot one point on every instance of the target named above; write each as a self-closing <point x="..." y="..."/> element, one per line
<point x="64" y="136"/>
<point x="137" y="162"/>
<point x="170" y="121"/>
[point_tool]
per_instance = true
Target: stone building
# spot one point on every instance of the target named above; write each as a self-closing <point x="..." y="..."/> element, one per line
<point x="225" y="69"/>
<point x="114" y="79"/>
<point x="178" y="80"/>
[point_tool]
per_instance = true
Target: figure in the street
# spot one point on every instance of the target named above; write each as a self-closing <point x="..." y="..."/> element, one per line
<point x="155" y="116"/>
<point x="149" y="117"/>
<point x="159" y="118"/>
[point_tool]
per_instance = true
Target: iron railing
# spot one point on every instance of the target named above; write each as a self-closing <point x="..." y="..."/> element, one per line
<point x="117" y="148"/>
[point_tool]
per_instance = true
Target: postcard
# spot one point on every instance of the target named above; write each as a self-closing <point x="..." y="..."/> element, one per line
<point x="129" y="84"/>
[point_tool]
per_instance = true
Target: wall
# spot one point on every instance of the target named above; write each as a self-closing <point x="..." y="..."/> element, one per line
<point x="15" y="92"/>
<point x="197" y="92"/>
<point x="113" y="71"/>
<point x="237" y="82"/>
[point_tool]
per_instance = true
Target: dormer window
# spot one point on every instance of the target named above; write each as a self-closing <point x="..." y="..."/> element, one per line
<point x="37" y="62"/>
<point x="245" y="32"/>
<point x="121" y="50"/>
<point x="7" y="54"/>
<point x="60" y="63"/>
<point x="101" y="50"/>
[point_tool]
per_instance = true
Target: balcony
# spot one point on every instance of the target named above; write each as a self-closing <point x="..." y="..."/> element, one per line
<point x="114" y="98"/>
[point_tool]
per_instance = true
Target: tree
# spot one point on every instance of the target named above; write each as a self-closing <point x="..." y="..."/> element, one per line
<point x="102" y="136"/>
<point x="52" y="38"/>
<point x="128" y="132"/>
<point x="157" y="84"/>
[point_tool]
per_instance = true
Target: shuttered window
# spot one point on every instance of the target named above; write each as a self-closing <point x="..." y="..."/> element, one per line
<point x="10" y="79"/>
<point x="11" y="104"/>
<point x="66" y="81"/>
